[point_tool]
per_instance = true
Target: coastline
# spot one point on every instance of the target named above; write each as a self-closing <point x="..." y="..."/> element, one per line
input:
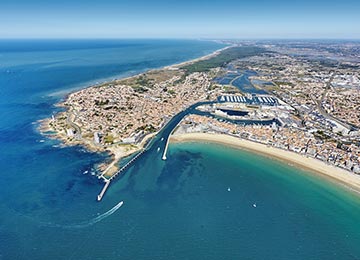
<point x="334" y="173"/>
<point x="120" y="77"/>
<point x="117" y="152"/>
<point x="116" y="78"/>
<point x="205" y="57"/>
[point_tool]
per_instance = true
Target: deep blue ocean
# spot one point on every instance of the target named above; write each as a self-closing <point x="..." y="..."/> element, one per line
<point x="198" y="204"/>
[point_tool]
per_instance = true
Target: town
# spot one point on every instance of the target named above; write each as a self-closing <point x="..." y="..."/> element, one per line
<point x="304" y="100"/>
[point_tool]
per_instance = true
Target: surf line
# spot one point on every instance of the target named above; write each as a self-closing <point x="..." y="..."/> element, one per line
<point x="92" y="221"/>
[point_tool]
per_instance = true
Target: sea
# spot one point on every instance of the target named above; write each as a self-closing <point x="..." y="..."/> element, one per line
<point x="206" y="201"/>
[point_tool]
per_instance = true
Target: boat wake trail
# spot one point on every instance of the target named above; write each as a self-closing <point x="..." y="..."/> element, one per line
<point x="92" y="221"/>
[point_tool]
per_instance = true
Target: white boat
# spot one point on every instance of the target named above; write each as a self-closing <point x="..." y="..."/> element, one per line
<point x="158" y="149"/>
<point x="162" y="139"/>
<point x="254" y="205"/>
<point x="229" y="189"/>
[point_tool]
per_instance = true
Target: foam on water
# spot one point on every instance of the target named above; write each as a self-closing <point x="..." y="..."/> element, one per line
<point x="90" y="222"/>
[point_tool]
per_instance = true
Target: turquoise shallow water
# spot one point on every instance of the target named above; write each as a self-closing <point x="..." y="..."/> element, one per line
<point x="177" y="209"/>
<point x="182" y="208"/>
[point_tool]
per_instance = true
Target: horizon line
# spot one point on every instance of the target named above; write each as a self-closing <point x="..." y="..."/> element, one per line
<point x="179" y="38"/>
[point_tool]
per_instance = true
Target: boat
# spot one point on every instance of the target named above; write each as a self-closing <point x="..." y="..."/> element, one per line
<point x="158" y="149"/>
<point x="162" y="138"/>
<point x="254" y="205"/>
<point x="229" y="189"/>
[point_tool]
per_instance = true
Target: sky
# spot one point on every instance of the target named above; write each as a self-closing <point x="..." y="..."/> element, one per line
<point x="180" y="19"/>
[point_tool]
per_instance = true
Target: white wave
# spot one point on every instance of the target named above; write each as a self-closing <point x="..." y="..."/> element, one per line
<point x="92" y="221"/>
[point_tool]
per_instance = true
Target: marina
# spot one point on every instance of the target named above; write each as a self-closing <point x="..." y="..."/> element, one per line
<point x="253" y="99"/>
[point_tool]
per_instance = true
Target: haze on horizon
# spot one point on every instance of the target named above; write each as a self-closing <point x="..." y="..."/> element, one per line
<point x="180" y="19"/>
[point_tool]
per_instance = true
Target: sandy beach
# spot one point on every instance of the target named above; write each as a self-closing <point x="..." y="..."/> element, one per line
<point x="205" y="57"/>
<point x="347" y="178"/>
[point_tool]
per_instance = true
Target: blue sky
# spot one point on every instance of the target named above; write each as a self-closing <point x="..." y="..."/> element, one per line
<point x="179" y="19"/>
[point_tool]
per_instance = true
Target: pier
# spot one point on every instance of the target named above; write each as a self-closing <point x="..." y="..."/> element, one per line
<point x="128" y="164"/>
<point x="165" y="149"/>
<point x="100" y="196"/>
<point x="107" y="181"/>
<point x="168" y="138"/>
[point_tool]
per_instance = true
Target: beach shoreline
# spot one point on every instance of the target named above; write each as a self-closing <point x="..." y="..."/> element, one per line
<point x="205" y="57"/>
<point x="350" y="180"/>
